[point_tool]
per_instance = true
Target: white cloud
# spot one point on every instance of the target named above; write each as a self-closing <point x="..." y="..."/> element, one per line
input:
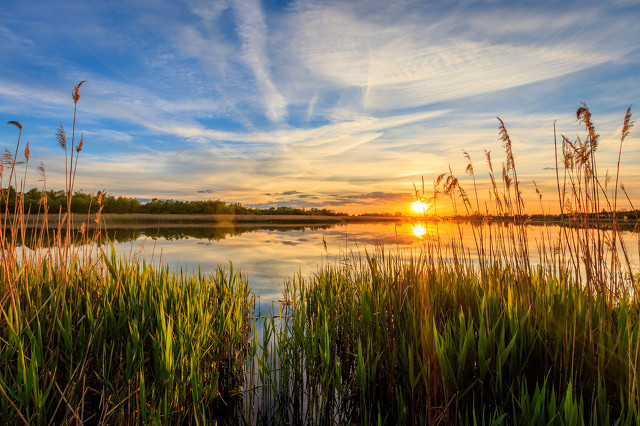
<point x="108" y="135"/>
<point x="253" y="32"/>
<point x="11" y="40"/>
<point x="414" y="62"/>
<point x="311" y="107"/>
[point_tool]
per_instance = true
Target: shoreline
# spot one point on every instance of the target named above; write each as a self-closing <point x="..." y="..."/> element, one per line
<point x="166" y="220"/>
<point x="115" y="220"/>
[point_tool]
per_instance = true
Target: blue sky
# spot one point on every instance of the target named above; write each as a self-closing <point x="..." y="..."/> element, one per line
<point x="339" y="104"/>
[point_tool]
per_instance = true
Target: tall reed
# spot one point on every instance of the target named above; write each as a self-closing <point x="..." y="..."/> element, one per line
<point x="446" y="335"/>
<point x="87" y="337"/>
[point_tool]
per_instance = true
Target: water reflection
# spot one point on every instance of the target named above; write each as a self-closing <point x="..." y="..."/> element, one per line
<point x="270" y="254"/>
<point x="172" y="231"/>
<point x="419" y="230"/>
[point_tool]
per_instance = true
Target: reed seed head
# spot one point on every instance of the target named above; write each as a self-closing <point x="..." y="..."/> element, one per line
<point x="26" y="152"/>
<point x="506" y="144"/>
<point x="584" y="115"/>
<point x="41" y="172"/>
<point x="469" y="169"/>
<point x="7" y="156"/>
<point x="79" y="147"/>
<point x="15" y="123"/>
<point x="488" y="155"/>
<point x="537" y="190"/>
<point x="76" y="94"/>
<point x="628" y="124"/>
<point x="61" y="138"/>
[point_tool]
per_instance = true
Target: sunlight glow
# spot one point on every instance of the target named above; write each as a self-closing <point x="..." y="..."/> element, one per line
<point x="420" y="207"/>
<point x="419" y="230"/>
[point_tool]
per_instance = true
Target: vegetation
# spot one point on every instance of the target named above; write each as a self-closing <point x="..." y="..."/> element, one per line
<point x="456" y="334"/>
<point x="396" y="339"/>
<point x="85" y="337"/>
<point x="449" y="334"/>
<point x="88" y="203"/>
<point x="133" y="344"/>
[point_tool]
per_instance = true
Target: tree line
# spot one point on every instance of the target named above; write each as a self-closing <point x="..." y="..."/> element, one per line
<point x="81" y="202"/>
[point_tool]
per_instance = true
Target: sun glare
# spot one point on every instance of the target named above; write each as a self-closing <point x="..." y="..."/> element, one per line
<point x="419" y="230"/>
<point x="420" y="207"/>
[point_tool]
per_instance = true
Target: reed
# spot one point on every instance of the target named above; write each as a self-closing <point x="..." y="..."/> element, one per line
<point x="89" y="338"/>
<point x="445" y="334"/>
<point x="450" y="335"/>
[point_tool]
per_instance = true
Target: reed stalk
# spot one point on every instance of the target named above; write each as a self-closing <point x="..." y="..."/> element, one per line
<point x="90" y="338"/>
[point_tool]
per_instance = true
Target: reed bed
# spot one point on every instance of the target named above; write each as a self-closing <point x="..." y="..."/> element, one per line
<point x="394" y="339"/>
<point x="459" y="334"/>
<point x="447" y="334"/>
<point x="89" y="338"/>
<point x="138" y="344"/>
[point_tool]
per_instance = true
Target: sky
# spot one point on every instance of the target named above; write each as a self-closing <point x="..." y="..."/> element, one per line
<point x="329" y="104"/>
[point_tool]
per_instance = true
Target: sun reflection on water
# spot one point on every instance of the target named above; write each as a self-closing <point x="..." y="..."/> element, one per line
<point x="419" y="230"/>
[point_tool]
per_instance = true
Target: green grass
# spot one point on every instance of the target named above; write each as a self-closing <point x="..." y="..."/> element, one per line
<point x="136" y="344"/>
<point x="392" y="339"/>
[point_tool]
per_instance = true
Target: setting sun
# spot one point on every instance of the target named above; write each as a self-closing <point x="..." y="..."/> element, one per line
<point x="420" y="207"/>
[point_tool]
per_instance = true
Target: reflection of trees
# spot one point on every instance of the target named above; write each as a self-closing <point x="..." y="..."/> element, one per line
<point x="210" y="233"/>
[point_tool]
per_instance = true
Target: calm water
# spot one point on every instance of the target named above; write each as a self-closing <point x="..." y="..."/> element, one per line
<point x="269" y="255"/>
<point x="266" y="255"/>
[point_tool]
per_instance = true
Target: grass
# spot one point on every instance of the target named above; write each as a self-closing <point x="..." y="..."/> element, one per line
<point x="456" y="334"/>
<point x="395" y="339"/>
<point x="446" y="334"/>
<point x="88" y="338"/>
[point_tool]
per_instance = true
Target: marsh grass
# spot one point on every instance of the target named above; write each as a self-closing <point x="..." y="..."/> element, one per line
<point x="449" y="334"/>
<point x="89" y="338"/>
<point x="402" y="339"/>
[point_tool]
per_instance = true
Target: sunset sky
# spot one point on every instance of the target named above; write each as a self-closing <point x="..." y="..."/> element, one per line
<point x="338" y="104"/>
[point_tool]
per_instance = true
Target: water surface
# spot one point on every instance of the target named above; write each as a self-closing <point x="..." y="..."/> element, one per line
<point x="267" y="255"/>
<point x="270" y="254"/>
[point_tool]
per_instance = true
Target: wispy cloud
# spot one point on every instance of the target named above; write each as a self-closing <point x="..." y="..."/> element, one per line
<point x="253" y="32"/>
<point x="413" y="62"/>
<point x="311" y="106"/>
<point x="11" y="40"/>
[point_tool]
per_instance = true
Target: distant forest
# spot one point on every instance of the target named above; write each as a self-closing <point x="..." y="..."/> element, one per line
<point x="83" y="203"/>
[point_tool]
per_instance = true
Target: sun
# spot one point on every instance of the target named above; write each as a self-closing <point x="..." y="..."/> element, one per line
<point x="420" y="207"/>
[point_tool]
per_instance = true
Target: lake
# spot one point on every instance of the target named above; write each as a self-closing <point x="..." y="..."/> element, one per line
<point x="266" y="254"/>
<point x="269" y="254"/>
